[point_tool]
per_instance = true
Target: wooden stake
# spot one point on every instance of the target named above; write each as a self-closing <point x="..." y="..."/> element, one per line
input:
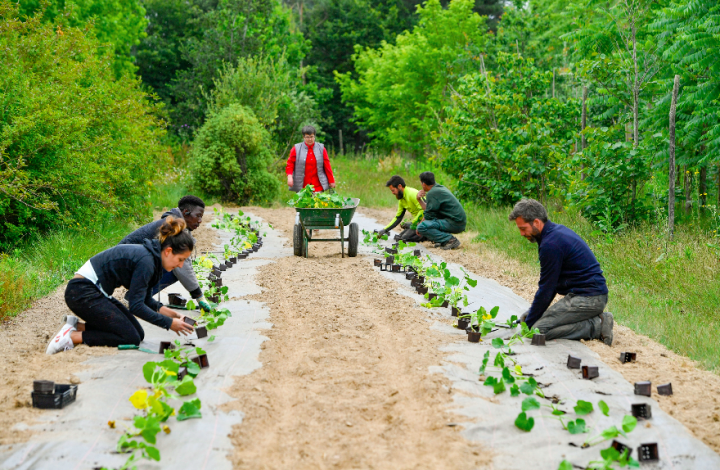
<point x="342" y="149"/>
<point x="671" y="162"/>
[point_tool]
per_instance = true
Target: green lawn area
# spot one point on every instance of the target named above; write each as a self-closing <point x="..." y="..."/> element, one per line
<point x="669" y="292"/>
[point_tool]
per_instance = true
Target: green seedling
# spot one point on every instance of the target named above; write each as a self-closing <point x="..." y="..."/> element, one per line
<point x="308" y="198"/>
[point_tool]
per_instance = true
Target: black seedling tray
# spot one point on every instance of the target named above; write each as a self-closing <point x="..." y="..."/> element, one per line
<point x="628" y="357"/>
<point x="44" y="386"/>
<point x="648" y="452"/>
<point x="538" y="340"/>
<point x="590" y="372"/>
<point x="641" y="410"/>
<point x="643" y="388"/>
<point x="573" y="362"/>
<point x="63" y="396"/>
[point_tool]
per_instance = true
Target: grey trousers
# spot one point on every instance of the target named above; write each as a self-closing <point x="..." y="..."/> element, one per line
<point x="573" y="317"/>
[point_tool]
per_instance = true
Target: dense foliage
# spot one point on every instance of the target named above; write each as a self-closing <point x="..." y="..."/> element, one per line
<point x="231" y="156"/>
<point x="76" y="143"/>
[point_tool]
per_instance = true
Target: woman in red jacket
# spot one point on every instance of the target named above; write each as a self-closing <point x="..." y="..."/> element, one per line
<point x="303" y="168"/>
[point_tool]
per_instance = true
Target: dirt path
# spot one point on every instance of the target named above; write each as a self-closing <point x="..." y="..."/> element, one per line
<point x="695" y="402"/>
<point x="345" y="381"/>
<point x="23" y="358"/>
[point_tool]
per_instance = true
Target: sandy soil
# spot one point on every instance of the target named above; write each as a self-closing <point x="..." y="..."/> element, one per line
<point x="23" y="358"/>
<point x="695" y="402"/>
<point x="345" y="381"/>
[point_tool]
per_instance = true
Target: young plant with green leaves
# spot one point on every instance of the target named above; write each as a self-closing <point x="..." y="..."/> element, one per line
<point x="309" y="199"/>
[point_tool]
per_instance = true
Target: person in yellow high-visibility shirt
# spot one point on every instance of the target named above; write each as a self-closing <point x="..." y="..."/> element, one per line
<point x="407" y="202"/>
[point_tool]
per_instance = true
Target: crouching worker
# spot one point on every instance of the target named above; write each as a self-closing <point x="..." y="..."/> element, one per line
<point x="137" y="268"/>
<point x="191" y="209"/>
<point x="444" y="215"/>
<point x="567" y="267"/>
<point x="407" y="202"/>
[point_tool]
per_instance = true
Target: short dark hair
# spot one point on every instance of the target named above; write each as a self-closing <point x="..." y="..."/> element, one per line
<point x="395" y="181"/>
<point x="427" y="177"/>
<point x="190" y="202"/>
<point x="308" y="130"/>
<point x="529" y="210"/>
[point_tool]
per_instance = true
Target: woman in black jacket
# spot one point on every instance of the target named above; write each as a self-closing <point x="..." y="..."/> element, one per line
<point x="137" y="268"/>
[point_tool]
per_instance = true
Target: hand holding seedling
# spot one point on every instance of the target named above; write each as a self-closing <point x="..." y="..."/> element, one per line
<point x="179" y="326"/>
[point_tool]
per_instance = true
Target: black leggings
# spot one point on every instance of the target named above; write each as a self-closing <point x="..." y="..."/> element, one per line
<point x="107" y="321"/>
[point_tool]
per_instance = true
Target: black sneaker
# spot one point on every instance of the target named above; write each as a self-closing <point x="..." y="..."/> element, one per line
<point x="439" y="245"/>
<point x="452" y="244"/>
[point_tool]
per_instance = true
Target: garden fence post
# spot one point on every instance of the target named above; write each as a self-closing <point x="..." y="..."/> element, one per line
<point x="671" y="163"/>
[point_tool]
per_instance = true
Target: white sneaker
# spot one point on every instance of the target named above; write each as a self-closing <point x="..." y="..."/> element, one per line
<point x="71" y="320"/>
<point x="61" y="341"/>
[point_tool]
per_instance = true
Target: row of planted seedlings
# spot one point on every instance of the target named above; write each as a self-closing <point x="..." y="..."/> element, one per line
<point x="441" y="289"/>
<point x="173" y="379"/>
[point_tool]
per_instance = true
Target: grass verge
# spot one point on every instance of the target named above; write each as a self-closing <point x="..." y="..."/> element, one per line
<point x="667" y="291"/>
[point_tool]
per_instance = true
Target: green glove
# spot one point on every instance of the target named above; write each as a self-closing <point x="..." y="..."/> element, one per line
<point x="204" y="305"/>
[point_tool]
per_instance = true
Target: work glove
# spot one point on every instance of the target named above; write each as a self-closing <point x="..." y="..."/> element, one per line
<point x="523" y="317"/>
<point x="382" y="232"/>
<point x="405" y="225"/>
<point x="203" y="304"/>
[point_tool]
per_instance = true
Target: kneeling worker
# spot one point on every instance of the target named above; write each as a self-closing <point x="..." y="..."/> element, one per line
<point x="407" y="201"/>
<point x="567" y="267"/>
<point x="191" y="209"/>
<point x="444" y="215"/>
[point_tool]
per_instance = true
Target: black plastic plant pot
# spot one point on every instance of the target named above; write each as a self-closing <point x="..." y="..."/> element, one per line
<point x="44" y="386"/>
<point x="628" y="357"/>
<point x="415" y="282"/>
<point x="212" y="277"/>
<point x="474" y="337"/>
<point x="416" y="253"/>
<point x="216" y="272"/>
<point x="431" y="296"/>
<point x="463" y="323"/>
<point x="648" y="453"/>
<point x="396" y="238"/>
<point x="455" y="311"/>
<point x="410" y="275"/>
<point x="247" y="252"/>
<point x="391" y="251"/>
<point x="389" y="259"/>
<point x="233" y="260"/>
<point x="222" y="267"/>
<point x="182" y="372"/>
<point x="214" y="299"/>
<point x="643" y="388"/>
<point x="377" y="262"/>
<point x="63" y="395"/>
<point x="445" y="304"/>
<point x="422" y="279"/>
<point x="641" y="410"/>
<point x="242" y="256"/>
<point x="218" y="282"/>
<point x="573" y="362"/>
<point x="177" y="300"/>
<point x="538" y="340"/>
<point x="590" y="372"/>
<point x="166" y="345"/>
<point x="396" y="268"/>
<point x="384" y="267"/>
<point x="256" y="247"/>
<point x="201" y="332"/>
<point x="190" y="321"/>
<point x="665" y="389"/>
<point x="620" y="447"/>
<point x="421" y="290"/>
<point x="202" y="361"/>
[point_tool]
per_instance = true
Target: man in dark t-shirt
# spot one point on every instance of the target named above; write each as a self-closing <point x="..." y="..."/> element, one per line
<point x="567" y="267"/>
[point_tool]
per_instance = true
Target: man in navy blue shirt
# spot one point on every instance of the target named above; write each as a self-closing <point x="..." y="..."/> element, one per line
<point x="567" y="267"/>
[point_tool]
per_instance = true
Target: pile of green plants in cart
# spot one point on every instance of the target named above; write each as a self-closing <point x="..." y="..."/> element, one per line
<point x="309" y="199"/>
<point x="174" y="378"/>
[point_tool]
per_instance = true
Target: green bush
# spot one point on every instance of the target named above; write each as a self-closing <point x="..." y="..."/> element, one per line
<point x="76" y="144"/>
<point x="231" y="155"/>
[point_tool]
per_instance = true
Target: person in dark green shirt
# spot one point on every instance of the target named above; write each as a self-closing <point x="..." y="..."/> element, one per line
<point x="444" y="215"/>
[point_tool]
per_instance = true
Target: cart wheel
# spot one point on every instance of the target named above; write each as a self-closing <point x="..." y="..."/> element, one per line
<point x="353" y="240"/>
<point x="298" y="242"/>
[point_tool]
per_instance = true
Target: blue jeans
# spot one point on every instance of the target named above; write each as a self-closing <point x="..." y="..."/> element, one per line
<point x="439" y="230"/>
<point x="166" y="279"/>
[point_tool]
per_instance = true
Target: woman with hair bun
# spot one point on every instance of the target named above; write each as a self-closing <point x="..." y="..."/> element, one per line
<point x="137" y="268"/>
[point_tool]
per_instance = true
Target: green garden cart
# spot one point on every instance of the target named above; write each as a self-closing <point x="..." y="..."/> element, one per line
<point x="307" y="220"/>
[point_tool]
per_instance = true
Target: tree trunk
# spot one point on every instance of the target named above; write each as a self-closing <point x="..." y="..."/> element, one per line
<point x="635" y="91"/>
<point x="671" y="162"/>
<point x="342" y="149"/>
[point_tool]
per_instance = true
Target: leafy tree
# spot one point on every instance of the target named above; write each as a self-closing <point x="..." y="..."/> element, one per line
<point x="402" y="88"/>
<point x="502" y="138"/>
<point x="230" y="157"/>
<point x="76" y="144"/>
<point x="272" y="89"/>
<point x="120" y="23"/>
